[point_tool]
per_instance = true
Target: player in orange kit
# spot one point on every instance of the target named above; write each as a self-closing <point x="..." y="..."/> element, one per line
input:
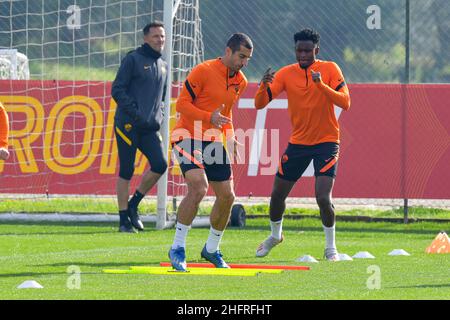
<point x="313" y="87"/>
<point x="205" y="102"/>
<point x="4" y="131"/>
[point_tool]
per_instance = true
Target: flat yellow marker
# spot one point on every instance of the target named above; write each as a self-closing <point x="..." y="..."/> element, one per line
<point x="217" y="270"/>
<point x="196" y="271"/>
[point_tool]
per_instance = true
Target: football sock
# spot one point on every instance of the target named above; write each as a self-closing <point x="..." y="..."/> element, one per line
<point x="277" y="228"/>
<point x="330" y="237"/>
<point x="123" y="214"/>
<point x="181" y="232"/>
<point x="212" y="244"/>
<point x="136" y="199"/>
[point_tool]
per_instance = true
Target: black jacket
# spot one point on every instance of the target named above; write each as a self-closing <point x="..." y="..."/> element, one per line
<point x="139" y="88"/>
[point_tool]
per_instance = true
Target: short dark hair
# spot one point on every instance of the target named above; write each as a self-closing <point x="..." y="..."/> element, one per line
<point x="155" y="24"/>
<point x="238" y="39"/>
<point x="307" y="34"/>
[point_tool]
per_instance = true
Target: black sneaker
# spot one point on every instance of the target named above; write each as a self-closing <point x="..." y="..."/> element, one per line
<point x="135" y="219"/>
<point x="125" y="224"/>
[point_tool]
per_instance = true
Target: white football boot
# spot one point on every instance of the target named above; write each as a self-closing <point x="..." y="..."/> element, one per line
<point x="267" y="245"/>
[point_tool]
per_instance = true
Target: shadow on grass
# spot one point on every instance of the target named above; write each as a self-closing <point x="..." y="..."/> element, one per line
<point x="105" y="228"/>
<point x="423" y="286"/>
<point x="27" y="234"/>
<point x="431" y="231"/>
<point x="40" y="274"/>
<point x="100" y="265"/>
<point x="30" y="274"/>
<point x="63" y="223"/>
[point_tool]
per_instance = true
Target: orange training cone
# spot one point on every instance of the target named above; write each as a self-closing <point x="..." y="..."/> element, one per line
<point x="440" y="244"/>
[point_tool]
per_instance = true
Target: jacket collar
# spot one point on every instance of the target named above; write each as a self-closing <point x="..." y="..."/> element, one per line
<point x="224" y="69"/>
<point x="311" y="65"/>
<point x="148" y="51"/>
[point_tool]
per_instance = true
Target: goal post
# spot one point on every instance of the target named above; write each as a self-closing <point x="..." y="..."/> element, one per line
<point x="161" y="214"/>
<point x="184" y="50"/>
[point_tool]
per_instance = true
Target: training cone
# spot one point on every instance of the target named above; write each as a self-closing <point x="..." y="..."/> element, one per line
<point x="306" y="258"/>
<point x="440" y="244"/>
<point x="30" y="284"/>
<point x="399" y="252"/>
<point x="363" y="255"/>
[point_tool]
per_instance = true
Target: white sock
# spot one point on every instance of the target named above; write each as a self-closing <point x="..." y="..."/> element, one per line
<point x="277" y="228"/>
<point x="181" y="232"/>
<point x="330" y="237"/>
<point x="212" y="244"/>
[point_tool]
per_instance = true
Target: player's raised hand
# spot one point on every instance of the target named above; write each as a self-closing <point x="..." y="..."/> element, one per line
<point x="316" y="77"/>
<point x="218" y="119"/>
<point x="4" y="154"/>
<point x="268" y="76"/>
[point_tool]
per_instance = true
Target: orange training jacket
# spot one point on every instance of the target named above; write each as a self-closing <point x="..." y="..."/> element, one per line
<point x="310" y="104"/>
<point x="206" y="88"/>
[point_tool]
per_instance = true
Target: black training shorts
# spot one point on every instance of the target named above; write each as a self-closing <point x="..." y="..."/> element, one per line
<point x="207" y="155"/>
<point x="129" y="139"/>
<point x="297" y="158"/>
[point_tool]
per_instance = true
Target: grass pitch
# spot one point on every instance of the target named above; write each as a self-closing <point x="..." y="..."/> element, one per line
<point x="44" y="252"/>
<point x="90" y="205"/>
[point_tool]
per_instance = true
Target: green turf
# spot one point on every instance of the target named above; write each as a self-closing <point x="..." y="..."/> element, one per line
<point x="109" y="205"/>
<point x="44" y="251"/>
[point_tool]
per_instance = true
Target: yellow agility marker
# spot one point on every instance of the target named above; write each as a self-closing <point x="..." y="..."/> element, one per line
<point x="217" y="270"/>
<point x="170" y="271"/>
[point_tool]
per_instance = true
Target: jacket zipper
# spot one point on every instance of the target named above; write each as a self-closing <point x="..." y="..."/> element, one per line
<point x="228" y="75"/>
<point x="306" y="75"/>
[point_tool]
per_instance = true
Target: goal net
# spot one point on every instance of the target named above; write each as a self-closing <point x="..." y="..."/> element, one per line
<point x="61" y="118"/>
